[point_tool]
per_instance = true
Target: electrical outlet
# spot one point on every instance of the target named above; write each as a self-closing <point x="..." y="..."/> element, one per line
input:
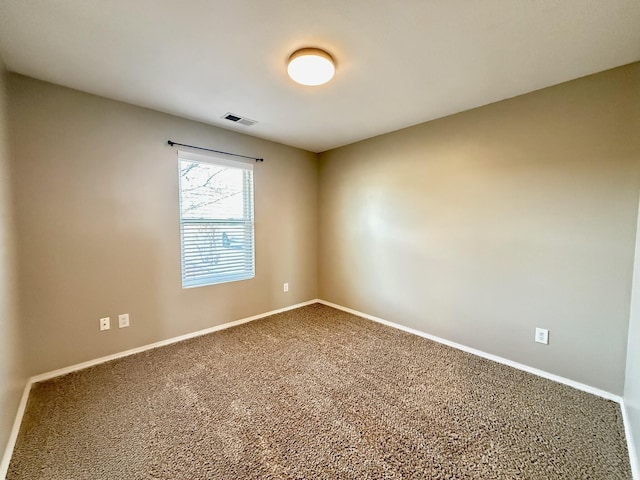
<point x="285" y="287"/>
<point x="123" y="320"/>
<point x="542" y="336"/>
<point x="105" y="323"/>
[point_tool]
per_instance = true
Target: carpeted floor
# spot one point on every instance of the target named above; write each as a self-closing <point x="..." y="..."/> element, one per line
<point x="314" y="393"/>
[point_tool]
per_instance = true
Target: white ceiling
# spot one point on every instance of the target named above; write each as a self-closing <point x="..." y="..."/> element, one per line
<point x="399" y="62"/>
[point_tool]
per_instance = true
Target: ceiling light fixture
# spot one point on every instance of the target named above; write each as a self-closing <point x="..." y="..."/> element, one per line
<point x="311" y="66"/>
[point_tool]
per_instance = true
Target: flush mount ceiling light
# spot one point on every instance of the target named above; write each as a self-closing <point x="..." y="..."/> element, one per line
<point x="311" y="66"/>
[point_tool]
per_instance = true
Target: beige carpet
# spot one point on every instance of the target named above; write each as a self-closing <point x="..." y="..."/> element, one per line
<point x="314" y="393"/>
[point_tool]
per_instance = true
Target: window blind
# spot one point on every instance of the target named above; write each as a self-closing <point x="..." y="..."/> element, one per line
<point x="216" y="219"/>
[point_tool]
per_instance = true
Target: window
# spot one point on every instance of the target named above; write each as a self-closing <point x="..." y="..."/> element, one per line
<point x="216" y="220"/>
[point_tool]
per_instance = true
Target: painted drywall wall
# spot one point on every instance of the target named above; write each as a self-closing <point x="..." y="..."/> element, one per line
<point x="12" y="376"/>
<point x="483" y="225"/>
<point x="97" y="217"/>
<point x="632" y="378"/>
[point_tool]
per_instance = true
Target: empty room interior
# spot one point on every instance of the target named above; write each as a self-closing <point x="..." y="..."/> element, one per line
<point x="319" y="239"/>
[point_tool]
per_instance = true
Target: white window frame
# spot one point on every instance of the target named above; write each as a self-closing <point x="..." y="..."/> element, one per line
<point x="248" y="220"/>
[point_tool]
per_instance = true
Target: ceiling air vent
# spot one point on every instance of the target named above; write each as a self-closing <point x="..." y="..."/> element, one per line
<point x="232" y="117"/>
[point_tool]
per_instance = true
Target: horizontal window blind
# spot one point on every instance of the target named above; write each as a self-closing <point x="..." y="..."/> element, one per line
<point x="216" y="220"/>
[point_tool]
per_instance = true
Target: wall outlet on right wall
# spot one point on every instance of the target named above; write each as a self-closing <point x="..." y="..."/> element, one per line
<point x="542" y="336"/>
<point x="285" y="287"/>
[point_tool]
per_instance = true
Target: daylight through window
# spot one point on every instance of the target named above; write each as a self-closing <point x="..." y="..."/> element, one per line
<point x="216" y="220"/>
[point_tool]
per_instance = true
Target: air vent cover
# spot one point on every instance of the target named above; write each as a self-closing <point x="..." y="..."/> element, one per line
<point x="232" y="117"/>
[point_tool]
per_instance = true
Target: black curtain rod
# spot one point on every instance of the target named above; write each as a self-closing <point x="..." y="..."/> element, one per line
<point x="169" y="142"/>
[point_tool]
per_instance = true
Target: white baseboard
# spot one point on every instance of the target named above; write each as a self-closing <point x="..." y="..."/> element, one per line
<point x="80" y="366"/>
<point x="13" y="436"/>
<point x="631" y="445"/>
<point x="480" y="353"/>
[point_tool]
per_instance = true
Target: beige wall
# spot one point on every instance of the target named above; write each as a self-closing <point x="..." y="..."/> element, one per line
<point x="632" y="379"/>
<point x="481" y="226"/>
<point x="12" y="376"/>
<point x="97" y="217"/>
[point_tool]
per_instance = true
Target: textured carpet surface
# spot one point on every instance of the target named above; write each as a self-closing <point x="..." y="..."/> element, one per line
<point x="314" y="393"/>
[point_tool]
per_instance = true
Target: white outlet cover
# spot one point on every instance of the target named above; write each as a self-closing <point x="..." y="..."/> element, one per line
<point x="123" y="320"/>
<point x="542" y="336"/>
<point x="286" y="287"/>
<point x="105" y="323"/>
